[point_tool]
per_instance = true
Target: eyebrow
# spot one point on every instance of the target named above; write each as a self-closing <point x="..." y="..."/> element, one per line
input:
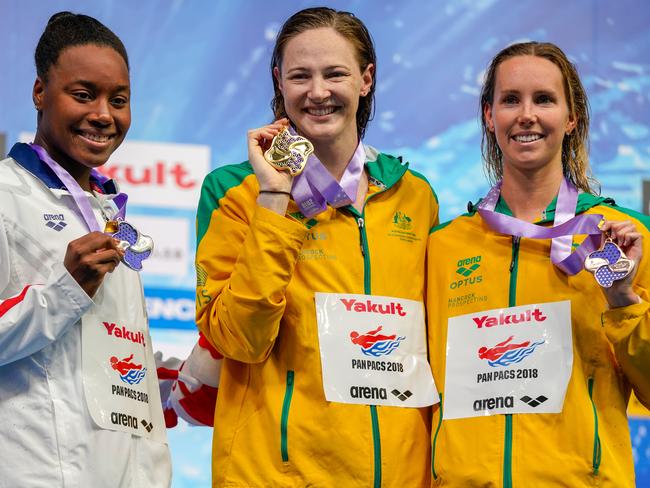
<point x="327" y="68"/>
<point x="91" y="85"/>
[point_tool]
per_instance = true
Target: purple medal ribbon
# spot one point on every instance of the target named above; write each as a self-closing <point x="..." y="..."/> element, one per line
<point x="315" y="187"/>
<point x="77" y="193"/>
<point x="565" y="225"/>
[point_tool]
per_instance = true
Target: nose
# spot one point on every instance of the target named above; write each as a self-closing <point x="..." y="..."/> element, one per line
<point x="318" y="90"/>
<point x="527" y="115"/>
<point x="101" y="112"/>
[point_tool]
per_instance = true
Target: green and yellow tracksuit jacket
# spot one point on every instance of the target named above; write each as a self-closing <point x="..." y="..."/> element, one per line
<point x="588" y="444"/>
<point x="257" y="274"/>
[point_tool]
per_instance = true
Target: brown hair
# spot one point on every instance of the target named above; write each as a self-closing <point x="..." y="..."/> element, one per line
<point x="575" y="146"/>
<point x="347" y="25"/>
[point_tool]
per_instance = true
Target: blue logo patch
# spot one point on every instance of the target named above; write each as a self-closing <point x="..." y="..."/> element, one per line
<point x="55" y="221"/>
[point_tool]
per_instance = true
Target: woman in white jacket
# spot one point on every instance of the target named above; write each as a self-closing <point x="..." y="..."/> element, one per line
<point x="79" y="403"/>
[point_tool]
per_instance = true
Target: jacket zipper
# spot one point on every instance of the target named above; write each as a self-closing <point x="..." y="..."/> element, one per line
<point x="367" y="289"/>
<point x="435" y="439"/>
<point x="284" y="421"/>
<point x="595" y="460"/>
<point x="512" y="301"/>
<point x="374" y="419"/>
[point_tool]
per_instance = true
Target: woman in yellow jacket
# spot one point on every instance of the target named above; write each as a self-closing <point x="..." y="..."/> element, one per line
<point x="263" y="255"/>
<point x="534" y="357"/>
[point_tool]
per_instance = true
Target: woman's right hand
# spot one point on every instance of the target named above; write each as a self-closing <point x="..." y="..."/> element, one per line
<point x="259" y="140"/>
<point x="90" y="257"/>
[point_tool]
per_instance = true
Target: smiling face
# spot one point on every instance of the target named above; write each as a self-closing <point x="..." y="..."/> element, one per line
<point x="529" y="114"/>
<point x="321" y="82"/>
<point x="84" y="107"/>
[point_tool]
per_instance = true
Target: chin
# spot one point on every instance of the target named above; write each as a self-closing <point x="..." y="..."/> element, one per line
<point x="320" y="132"/>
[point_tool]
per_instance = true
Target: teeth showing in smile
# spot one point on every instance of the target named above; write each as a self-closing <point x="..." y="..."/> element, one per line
<point x="321" y="111"/>
<point x="527" y="138"/>
<point x="95" y="137"/>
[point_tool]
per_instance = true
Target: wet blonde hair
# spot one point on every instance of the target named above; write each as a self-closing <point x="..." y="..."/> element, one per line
<point x="575" y="146"/>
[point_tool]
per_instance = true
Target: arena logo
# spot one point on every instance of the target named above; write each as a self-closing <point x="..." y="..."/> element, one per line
<point x="493" y="403"/>
<point x="48" y="217"/>
<point x="466" y="267"/>
<point x="119" y="418"/>
<point x="368" y="392"/>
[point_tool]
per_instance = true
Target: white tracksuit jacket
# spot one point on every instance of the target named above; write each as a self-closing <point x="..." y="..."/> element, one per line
<point x="48" y="438"/>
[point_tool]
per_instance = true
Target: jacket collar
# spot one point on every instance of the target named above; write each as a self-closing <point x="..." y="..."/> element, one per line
<point x="27" y="158"/>
<point x="384" y="168"/>
<point x="585" y="202"/>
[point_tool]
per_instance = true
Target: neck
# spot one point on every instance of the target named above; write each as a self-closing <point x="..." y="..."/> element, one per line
<point x="79" y="172"/>
<point x="335" y="155"/>
<point x="529" y="193"/>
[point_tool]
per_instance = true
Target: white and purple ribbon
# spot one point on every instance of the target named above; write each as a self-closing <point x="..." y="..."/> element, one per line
<point x="78" y="194"/>
<point x="315" y="187"/>
<point x="565" y="225"/>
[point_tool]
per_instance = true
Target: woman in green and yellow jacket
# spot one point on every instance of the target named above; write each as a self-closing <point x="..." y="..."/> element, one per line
<point x="535" y="365"/>
<point x="260" y="260"/>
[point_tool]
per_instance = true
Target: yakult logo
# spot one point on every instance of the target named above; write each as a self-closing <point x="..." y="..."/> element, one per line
<point x="124" y="333"/>
<point x="510" y="318"/>
<point x="368" y="306"/>
<point x="161" y="173"/>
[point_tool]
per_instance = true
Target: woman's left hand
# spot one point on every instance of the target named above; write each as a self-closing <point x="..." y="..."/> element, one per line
<point x="626" y="236"/>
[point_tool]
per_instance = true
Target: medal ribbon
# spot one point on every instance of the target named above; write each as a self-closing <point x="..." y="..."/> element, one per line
<point x="77" y="193"/>
<point x="315" y="187"/>
<point x="565" y="225"/>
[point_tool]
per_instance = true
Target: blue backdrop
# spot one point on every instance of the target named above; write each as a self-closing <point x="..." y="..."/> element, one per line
<point x="200" y="75"/>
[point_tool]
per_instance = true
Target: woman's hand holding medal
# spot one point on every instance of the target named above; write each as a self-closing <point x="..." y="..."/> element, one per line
<point x="275" y="185"/>
<point x="90" y="257"/>
<point x="624" y="235"/>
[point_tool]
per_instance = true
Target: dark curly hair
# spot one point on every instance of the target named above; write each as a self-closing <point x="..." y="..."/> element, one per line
<point x="65" y="29"/>
<point x="349" y="27"/>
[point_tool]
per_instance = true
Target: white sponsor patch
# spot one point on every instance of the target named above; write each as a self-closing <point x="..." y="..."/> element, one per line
<point x="373" y="350"/>
<point x="511" y="360"/>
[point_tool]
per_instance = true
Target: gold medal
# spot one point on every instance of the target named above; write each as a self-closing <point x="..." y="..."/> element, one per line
<point x="289" y="152"/>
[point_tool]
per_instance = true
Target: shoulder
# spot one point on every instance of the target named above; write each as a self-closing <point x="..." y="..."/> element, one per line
<point x="389" y="169"/>
<point x="10" y="173"/>
<point x="219" y="181"/>
<point x="629" y="214"/>
<point x="226" y="179"/>
<point x="612" y="211"/>
<point x="457" y="225"/>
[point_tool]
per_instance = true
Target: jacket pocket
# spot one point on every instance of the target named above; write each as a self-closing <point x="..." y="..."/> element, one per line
<point x="596" y="454"/>
<point x="284" y="420"/>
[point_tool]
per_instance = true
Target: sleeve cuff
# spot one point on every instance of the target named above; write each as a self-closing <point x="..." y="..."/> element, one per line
<point x="71" y="289"/>
<point x="619" y="322"/>
<point x="265" y="218"/>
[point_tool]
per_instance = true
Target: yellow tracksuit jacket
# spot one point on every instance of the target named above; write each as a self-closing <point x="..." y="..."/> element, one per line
<point x="257" y="274"/>
<point x="588" y="444"/>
